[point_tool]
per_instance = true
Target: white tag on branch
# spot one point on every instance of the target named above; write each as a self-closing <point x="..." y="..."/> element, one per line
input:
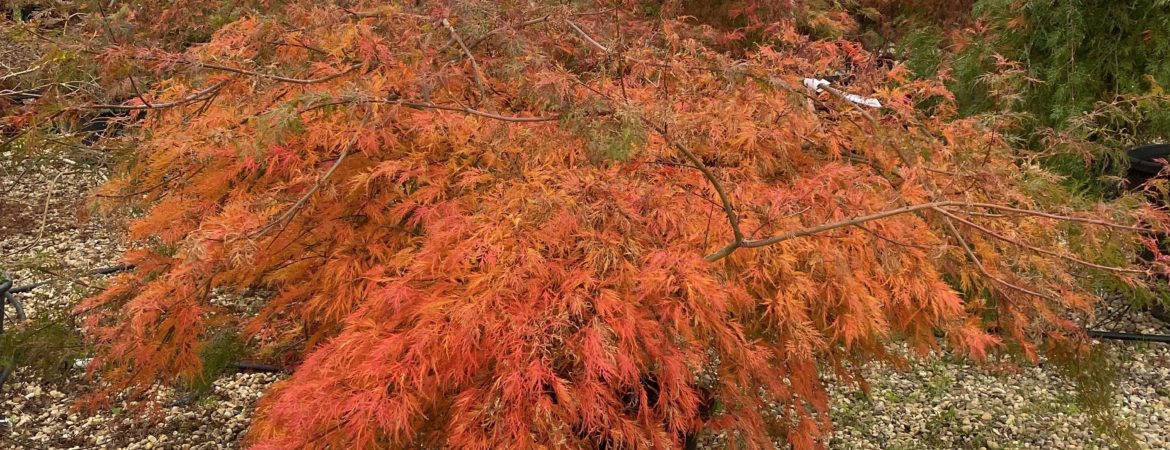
<point x="816" y="85"/>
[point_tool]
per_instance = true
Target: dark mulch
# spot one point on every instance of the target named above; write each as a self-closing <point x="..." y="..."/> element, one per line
<point x="15" y="218"/>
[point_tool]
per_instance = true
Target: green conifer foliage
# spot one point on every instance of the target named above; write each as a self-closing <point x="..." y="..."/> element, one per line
<point x="1082" y="79"/>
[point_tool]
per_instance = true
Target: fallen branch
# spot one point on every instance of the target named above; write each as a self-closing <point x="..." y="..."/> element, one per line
<point x="44" y="213"/>
<point x="1135" y="337"/>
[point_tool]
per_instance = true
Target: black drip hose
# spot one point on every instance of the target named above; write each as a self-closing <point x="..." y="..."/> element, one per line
<point x="101" y="271"/>
<point x="6" y="291"/>
<point x="6" y="297"/>
<point x="242" y="366"/>
<point x="4" y="287"/>
<point x="112" y="269"/>
<point x="16" y="305"/>
<point x="253" y="367"/>
<point x="1133" y="337"/>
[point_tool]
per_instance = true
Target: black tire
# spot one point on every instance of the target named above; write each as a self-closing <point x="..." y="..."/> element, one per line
<point x="1143" y="158"/>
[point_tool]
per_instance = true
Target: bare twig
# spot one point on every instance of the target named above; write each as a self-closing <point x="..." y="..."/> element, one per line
<point x="17" y="74"/>
<point x="980" y="214"/>
<point x="589" y="39"/>
<point x="527" y="23"/>
<point x="479" y="81"/>
<point x="37" y="91"/>
<point x="44" y="213"/>
<point x="435" y="106"/>
<point x="1042" y="251"/>
<point x="1046" y="215"/>
<point x="707" y="228"/>
<point x="185" y="100"/>
<point x="296" y="207"/>
<point x="727" y="250"/>
<point x="271" y="76"/>
<point x="979" y="264"/>
<point x="530" y="22"/>
<point x="724" y="198"/>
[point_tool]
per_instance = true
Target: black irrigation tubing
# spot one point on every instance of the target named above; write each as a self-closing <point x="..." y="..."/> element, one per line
<point x="1112" y="317"/>
<point x="265" y="368"/>
<point x="4" y="287"/>
<point x="6" y="297"/>
<point x="101" y="271"/>
<point x="6" y="291"/>
<point x="241" y="366"/>
<point x="1132" y="337"/>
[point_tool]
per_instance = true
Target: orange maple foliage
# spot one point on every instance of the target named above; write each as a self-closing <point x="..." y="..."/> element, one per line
<point x="523" y="224"/>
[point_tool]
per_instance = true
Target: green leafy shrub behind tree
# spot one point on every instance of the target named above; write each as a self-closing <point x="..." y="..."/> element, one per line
<point x="1082" y="80"/>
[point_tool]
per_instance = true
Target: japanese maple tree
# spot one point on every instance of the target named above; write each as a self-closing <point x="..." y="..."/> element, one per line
<point x="604" y="224"/>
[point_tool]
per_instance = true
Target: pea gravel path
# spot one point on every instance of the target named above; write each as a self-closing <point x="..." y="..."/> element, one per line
<point x="935" y="405"/>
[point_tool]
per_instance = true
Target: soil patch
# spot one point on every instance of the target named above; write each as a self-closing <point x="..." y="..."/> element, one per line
<point x="15" y="218"/>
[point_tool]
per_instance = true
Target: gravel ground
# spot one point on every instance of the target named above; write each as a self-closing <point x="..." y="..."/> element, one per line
<point x="944" y="403"/>
<point x="41" y="412"/>
<point x="951" y="404"/>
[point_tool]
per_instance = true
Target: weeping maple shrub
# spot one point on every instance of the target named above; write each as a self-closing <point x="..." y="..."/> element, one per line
<point x="490" y="225"/>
